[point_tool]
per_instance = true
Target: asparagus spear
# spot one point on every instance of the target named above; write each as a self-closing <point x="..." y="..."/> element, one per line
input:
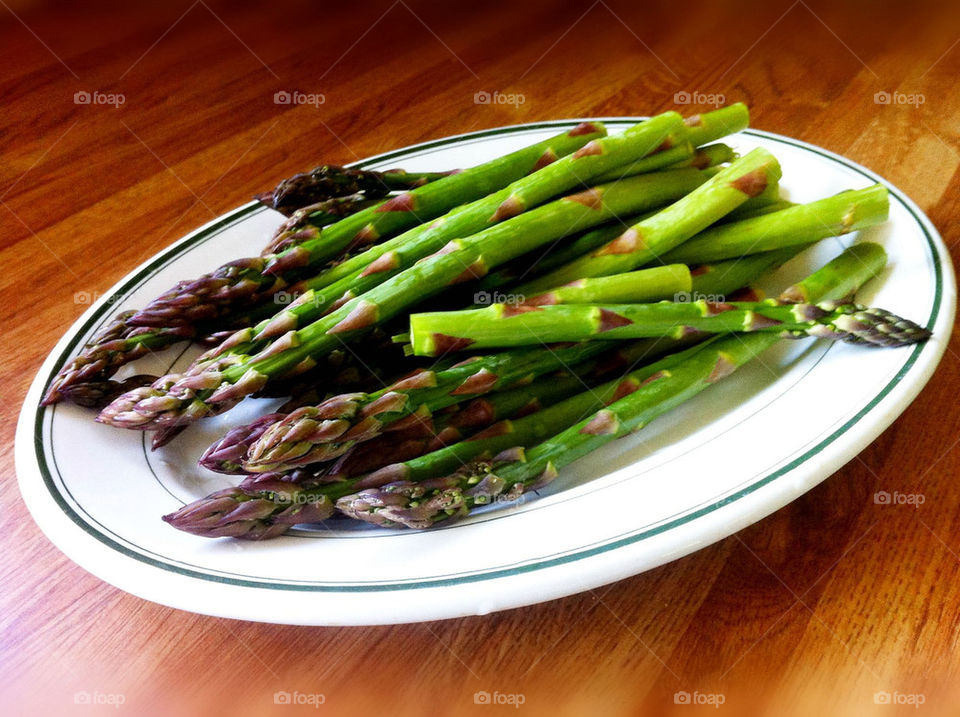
<point x="716" y="280"/>
<point x="503" y="325"/>
<point x="705" y="128"/>
<point x="420" y="504"/>
<point x="747" y="177"/>
<point x="799" y="224"/>
<point x="653" y="284"/>
<point x="178" y="399"/>
<point x="682" y="155"/>
<point x="97" y="394"/>
<point x="261" y="513"/>
<point x="118" y="344"/>
<point x="330" y="181"/>
<point x="684" y="147"/>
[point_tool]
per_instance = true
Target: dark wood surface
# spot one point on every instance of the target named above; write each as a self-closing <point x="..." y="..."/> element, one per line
<point x="815" y="609"/>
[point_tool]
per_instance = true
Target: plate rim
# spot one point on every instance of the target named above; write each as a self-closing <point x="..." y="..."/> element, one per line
<point x="66" y="346"/>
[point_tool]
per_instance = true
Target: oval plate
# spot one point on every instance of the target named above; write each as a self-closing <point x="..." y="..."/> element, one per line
<point x="714" y="466"/>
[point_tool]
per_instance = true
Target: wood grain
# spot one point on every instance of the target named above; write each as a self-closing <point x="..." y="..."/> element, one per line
<point x="816" y="608"/>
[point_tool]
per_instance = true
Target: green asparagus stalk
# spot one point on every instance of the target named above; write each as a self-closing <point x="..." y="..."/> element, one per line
<point x="653" y="284"/>
<point x="420" y="504"/>
<point x="177" y="399"/>
<point x="683" y="155"/>
<point x="799" y="224"/>
<point x="637" y="245"/>
<point x="711" y="126"/>
<point x="714" y="281"/>
<point x="840" y="278"/>
<point x="505" y="326"/>
<point x="685" y="147"/>
<point x="226" y="455"/>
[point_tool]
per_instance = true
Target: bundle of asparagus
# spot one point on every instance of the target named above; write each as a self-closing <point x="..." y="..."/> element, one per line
<point x="620" y="271"/>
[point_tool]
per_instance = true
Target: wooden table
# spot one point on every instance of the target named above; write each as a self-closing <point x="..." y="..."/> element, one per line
<point x="818" y="607"/>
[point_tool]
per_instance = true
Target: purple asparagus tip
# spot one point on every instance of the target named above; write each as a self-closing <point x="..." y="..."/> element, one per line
<point x="98" y="394"/>
<point x="227" y="454"/>
<point x="250" y="514"/>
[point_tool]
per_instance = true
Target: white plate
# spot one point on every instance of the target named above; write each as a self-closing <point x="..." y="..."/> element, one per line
<point x="719" y="463"/>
